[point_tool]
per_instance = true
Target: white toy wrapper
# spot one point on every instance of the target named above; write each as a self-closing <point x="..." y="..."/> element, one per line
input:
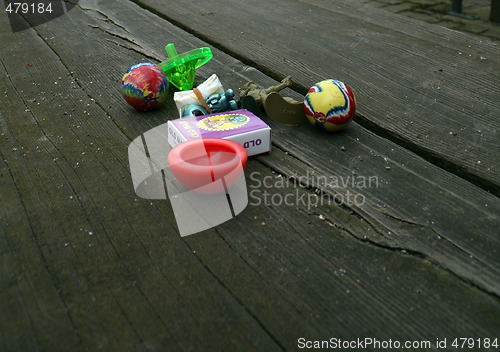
<point x="187" y="97"/>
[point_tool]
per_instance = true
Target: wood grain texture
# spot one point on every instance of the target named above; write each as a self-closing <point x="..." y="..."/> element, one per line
<point x="410" y="203"/>
<point x="407" y="190"/>
<point x="427" y="88"/>
<point x="87" y="255"/>
<point x="87" y="265"/>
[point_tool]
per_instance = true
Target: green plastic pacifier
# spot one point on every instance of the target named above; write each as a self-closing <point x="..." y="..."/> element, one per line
<point x="180" y="69"/>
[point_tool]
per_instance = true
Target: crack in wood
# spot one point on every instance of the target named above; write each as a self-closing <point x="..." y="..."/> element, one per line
<point x="385" y="242"/>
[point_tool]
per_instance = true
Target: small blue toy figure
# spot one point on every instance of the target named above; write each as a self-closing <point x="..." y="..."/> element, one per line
<point x="222" y="102"/>
<point x="213" y="104"/>
<point x="193" y="110"/>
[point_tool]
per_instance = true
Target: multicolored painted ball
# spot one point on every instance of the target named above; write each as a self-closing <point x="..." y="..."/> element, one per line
<point x="330" y="105"/>
<point x="145" y="86"/>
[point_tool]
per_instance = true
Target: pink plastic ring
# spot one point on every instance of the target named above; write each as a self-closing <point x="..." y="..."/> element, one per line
<point x="202" y="164"/>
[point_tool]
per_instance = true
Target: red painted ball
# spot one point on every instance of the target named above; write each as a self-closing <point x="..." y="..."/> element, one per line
<point x="144" y="86"/>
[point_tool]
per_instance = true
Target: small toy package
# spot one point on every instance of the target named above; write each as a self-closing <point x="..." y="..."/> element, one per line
<point x="240" y="126"/>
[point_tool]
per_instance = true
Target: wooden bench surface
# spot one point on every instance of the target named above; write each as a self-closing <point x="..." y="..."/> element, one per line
<point x="89" y="265"/>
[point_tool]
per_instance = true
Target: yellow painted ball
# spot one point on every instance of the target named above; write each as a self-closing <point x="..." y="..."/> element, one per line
<point x="330" y="105"/>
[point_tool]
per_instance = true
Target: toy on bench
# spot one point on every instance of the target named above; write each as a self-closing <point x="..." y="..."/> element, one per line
<point x="330" y="105"/>
<point x="222" y="102"/>
<point x="180" y="68"/>
<point x="278" y="108"/>
<point x="144" y="86"/>
<point x="214" y="103"/>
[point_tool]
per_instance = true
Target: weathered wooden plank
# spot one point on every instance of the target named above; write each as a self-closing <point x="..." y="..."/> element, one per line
<point x="242" y="286"/>
<point x="22" y="276"/>
<point x="402" y="207"/>
<point x="425" y="87"/>
<point x="412" y="209"/>
<point x="412" y="218"/>
<point x="50" y="187"/>
<point x="411" y="204"/>
<point x="331" y="283"/>
<point x="114" y="268"/>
